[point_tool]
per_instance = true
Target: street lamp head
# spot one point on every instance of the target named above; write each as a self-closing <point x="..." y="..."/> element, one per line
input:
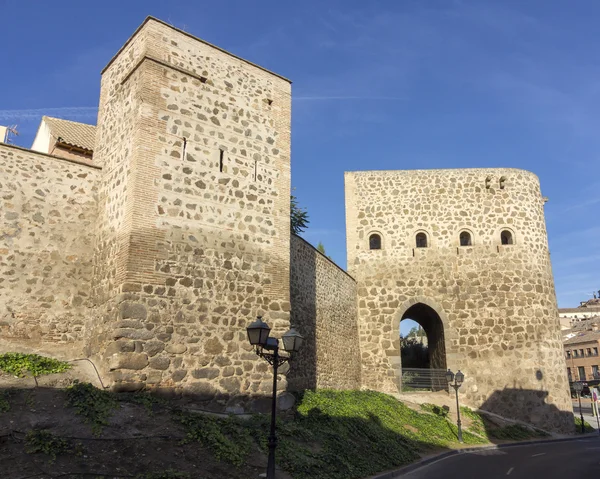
<point x="578" y="386"/>
<point x="258" y="332"/>
<point x="460" y="377"/>
<point x="292" y="341"/>
<point x="449" y="376"/>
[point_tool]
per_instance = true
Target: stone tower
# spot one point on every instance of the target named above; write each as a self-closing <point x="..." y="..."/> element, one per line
<point x="464" y="253"/>
<point x="193" y="234"/>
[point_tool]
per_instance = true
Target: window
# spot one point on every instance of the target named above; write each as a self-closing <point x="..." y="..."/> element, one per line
<point x="221" y="155"/>
<point x="502" y="182"/>
<point x="488" y="182"/>
<point x="595" y="372"/>
<point x="374" y="241"/>
<point x="581" y="373"/>
<point x="595" y="351"/>
<point x="465" y="238"/>
<point x="506" y="237"/>
<point x="569" y="374"/>
<point x="589" y="351"/>
<point x="581" y="355"/>
<point x="421" y="240"/>
<point x="568" y="354"/>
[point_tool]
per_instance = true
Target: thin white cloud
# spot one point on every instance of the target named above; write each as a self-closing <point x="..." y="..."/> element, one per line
<point x="70" y="111"/>
<point x="576" y="260"/>
<point x="327" y="98"/>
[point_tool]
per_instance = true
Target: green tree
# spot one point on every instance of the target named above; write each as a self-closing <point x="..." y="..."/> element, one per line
<point x="298" y="217"/>
<point x="321" y="248"/>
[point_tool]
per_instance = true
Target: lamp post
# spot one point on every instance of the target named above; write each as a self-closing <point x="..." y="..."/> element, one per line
<point x="458" y="379"/>
<point x="578" y="386"/>
<point x="268" y="348"/>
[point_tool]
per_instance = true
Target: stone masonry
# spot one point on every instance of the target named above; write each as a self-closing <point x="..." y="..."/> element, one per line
<point x="193" y="235"/>
<point x="323" y="298"/>
<point x="153" y="257"/>
<point x="496" y="303"/>
<point x="47" y="217"/>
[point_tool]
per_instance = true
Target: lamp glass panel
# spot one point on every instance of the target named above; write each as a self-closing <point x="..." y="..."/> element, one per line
<point x="258" y="332"/>
<point x="292" y="340"/>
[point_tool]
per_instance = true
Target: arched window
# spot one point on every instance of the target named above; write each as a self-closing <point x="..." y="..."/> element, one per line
<point x="421" y="240"/>
<point x="506" y="237"/>
<point x="465" y="238"/>
<point x="374" y="241"/>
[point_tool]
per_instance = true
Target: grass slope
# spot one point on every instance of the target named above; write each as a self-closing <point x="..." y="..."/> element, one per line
<point x="330" y="435"/>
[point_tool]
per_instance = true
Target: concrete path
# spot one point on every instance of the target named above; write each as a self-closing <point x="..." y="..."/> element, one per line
<point x="554" y="460"/>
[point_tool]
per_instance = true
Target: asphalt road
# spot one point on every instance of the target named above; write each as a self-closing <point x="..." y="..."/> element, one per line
<point x="558" y="460"/>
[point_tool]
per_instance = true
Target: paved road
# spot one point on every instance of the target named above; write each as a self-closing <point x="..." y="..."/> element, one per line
<point x="561" y="460"/>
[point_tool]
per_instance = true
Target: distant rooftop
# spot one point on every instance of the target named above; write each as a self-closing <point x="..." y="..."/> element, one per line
<point x="583" y="337"/>
<point x="80" y="135"/>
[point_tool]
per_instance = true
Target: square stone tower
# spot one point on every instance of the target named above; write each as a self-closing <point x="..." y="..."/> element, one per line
<point x="464" y="253"/>
<point x="193" y="232"/>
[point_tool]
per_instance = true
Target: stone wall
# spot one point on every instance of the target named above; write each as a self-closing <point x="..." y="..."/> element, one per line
<point x="193" y="241"/>
<point x="47" y="216"/>
<point x="496" y="302"/>
<point x="323" y="299"/>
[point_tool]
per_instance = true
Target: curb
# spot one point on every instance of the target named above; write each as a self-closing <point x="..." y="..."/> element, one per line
<point x="455" y="452"/>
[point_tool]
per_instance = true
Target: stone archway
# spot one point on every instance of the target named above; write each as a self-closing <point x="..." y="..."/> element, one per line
<point x="430" y="321"/>
<point x="434" y="321"/>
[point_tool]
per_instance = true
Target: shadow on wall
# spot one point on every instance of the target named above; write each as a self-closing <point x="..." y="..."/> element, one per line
<point x="303" y="299"/>
<point x="529" y="406"/>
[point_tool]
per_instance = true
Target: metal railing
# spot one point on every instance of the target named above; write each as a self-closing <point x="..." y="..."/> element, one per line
<point x="417" y="379"/>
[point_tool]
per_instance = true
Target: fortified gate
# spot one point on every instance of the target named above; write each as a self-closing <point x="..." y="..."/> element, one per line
<point x="150" y="248"/>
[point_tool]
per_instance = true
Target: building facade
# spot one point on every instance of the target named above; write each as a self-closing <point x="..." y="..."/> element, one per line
<point x="581" y="354"/>
<point x="465" y="254"/>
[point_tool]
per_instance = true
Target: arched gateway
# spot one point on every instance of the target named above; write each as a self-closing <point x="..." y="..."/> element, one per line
<point x="425" y="372"/>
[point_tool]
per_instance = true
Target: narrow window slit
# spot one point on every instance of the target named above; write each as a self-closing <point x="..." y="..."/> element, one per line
<point x="184" y="147"/>
<point x="255" y="168"/>
<point x="221" y="155"/>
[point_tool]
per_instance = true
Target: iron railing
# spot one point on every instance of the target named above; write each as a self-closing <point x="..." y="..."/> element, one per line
<point x="417" y="379"/>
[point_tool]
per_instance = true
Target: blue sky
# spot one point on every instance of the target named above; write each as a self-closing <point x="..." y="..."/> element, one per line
<point x="377" y="85"/>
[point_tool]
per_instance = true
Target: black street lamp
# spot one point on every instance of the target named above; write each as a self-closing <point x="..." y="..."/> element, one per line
<point x="258" y="335"/>
<point x="578" y="386"/>
<point x="458" y="379"/>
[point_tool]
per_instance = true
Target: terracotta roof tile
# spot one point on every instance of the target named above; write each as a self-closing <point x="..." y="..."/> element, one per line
<point x="583" y="337"/>
<point x="72" y="132"/>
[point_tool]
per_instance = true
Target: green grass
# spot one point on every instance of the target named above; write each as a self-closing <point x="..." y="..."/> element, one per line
<point x="334" y="435"/>
<point x="18" y="364"/>
<point x="587" y="428"/>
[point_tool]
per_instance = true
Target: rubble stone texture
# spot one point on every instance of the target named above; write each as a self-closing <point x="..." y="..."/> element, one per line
<point x="47" y="217"/>
<point x="324" y="311"/>
<point x="193" y="235"/>
<point x="496" y="303"/>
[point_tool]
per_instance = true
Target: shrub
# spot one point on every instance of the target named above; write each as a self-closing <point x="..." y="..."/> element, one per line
<point x="18" y="364"/>
<point x="93" y="404"/>
<point x="41" y="440"/>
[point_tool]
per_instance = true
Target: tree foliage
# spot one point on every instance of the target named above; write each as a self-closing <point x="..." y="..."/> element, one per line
<point x="298" y="217"/>
<point x="414" y="354"/>
<point x="321" y="248"/>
